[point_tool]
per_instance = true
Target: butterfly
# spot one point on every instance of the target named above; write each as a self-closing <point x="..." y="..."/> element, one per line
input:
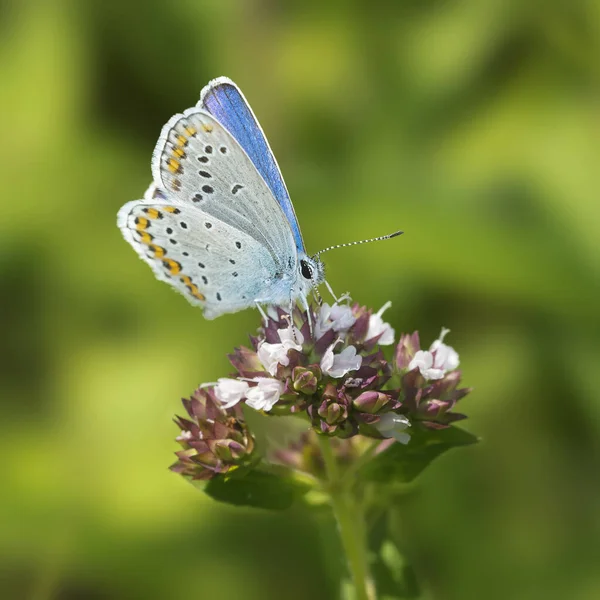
<point x="217" y="222"/>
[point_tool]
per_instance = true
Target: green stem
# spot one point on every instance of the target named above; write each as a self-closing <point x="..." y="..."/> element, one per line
<point x="350" y="523"/>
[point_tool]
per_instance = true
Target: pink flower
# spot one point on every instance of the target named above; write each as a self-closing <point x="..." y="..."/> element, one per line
<point x="272" y="355"/>
<point x="337" y="365"/>
<point x="437" y="361"/>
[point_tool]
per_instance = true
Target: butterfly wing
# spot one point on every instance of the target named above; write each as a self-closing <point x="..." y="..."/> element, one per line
<point x="209" y="225"/>
<point x="204" y="258"/>
<point x="225" y="101"/>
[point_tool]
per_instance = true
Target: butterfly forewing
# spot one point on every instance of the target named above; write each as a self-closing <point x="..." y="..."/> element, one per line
<point x="225" y="101"/>
<point x="197" y="162"/>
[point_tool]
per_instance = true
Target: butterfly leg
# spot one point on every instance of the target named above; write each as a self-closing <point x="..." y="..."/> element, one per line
<point x="330" y="290"/>
<point x="262" y="314"/>
<point x="345" y="296"/>
<point x="304" y="304"/>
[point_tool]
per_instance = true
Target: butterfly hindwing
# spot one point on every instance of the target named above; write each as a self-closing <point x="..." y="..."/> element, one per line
<point x="202" y="257"/>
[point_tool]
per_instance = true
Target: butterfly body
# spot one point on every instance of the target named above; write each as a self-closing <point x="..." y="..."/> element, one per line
<point x="217" y="223"/>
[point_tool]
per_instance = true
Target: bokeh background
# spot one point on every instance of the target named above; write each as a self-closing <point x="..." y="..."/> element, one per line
<point x="474" y="125"/>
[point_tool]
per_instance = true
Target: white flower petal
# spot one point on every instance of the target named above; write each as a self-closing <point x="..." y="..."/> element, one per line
<point x="291" y="338"/>
<point x="341" y="318"/>
<point x="327" y="359"/>
<point x="433" y="373"/>
<point x="264" y="395"/>
<point x="271" y="355"/>
<point x="338" y="317"/>
<point x="337" y="365"/>
<point x="230" y="391"/>
<point x="392" y="425"/>
<point x="446" y="357"/>
<point x="422" y="359"/>
<point x="377" y="326"/>
<point x="452" y="360"/>
<point x="437" y="361"/>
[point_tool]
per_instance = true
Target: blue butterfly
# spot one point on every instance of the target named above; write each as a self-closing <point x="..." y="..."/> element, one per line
<point x="217" y="223"/>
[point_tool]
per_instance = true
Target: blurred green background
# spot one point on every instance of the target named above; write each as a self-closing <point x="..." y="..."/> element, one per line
<point x="474" y="125"/>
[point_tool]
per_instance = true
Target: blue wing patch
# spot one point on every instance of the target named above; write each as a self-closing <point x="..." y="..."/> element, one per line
<point x="224" y="101"/>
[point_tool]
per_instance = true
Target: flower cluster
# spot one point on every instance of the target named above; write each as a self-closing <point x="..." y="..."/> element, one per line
<point x="327" y="365"/>
<point x="214" y="439"/>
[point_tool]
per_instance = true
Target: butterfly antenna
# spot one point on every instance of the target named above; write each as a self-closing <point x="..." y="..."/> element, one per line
<point x="376" y="239"/>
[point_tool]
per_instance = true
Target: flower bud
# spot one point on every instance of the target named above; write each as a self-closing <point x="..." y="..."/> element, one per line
<point x="433" y="409"/>
<point x="371" y="402"/>
<point x="305" y="381"/>
<point x="228" y="450"/>
<point x="407" y="347"/>
<point x="245" y="362"/>
<point x="330" y="392"/>
<point x="332" y="412"/>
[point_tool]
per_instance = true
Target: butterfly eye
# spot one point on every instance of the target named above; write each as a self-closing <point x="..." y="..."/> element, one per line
<point x="306" y="270"/>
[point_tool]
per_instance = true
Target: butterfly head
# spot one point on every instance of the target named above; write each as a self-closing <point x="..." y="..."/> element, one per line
<point x="311" y="272"/>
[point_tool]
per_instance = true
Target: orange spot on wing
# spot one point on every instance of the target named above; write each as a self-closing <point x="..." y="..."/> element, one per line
<point x="174" y="165"/>
<point x="172" y="209"/>
<point x="181" y="140"/>
<point x="145" y="237"/>
<point x="191" y="131"/>
<point x="207" y="127"/>
<point x="141" y="223"/>
<point x="194" y="291"/>
<point x="158" y="251"/>
<point x="153" y="213"/>
<point x="178" y="152"/>
<point x="172" y="265"/>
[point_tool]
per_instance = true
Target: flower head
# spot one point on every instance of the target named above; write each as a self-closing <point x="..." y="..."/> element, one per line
<point x="214" y="439"/>
<point x="326" y="364"/>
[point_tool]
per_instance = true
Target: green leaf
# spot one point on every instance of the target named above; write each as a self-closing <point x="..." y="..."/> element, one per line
<point x="402" y="463"/>
<point x="256" y="488"/>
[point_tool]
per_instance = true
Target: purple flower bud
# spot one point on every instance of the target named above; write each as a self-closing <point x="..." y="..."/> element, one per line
<point x="332" y="412"/>
<point x="433" y="409"/>
<point x="246" y="362"/>
<point x="371" y="402"/>
<point x="407" y="347"/>
<point x="305" y="380"/>
<point x="330" y="392"/>
<point x="228" y="450"/>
